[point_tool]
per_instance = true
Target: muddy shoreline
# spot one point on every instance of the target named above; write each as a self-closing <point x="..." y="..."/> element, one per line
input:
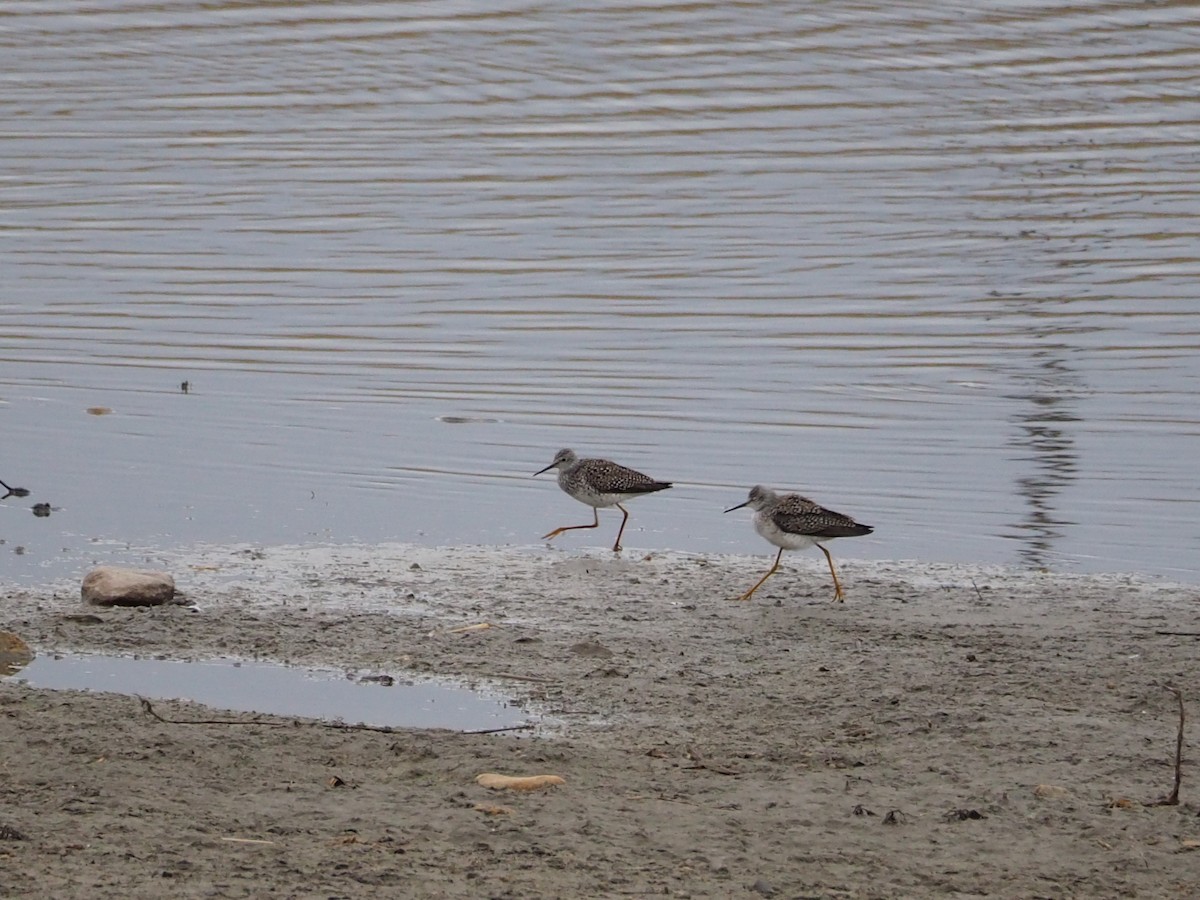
<point x="946" y="731"/>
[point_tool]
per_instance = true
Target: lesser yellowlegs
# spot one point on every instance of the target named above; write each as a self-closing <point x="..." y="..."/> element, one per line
<point x="600" y="483"/>
<point x="792" y="522"/>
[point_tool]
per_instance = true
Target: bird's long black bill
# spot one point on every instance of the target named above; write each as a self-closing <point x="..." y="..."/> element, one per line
<point x="739" y="506"/>
<point x="540" y="471"/>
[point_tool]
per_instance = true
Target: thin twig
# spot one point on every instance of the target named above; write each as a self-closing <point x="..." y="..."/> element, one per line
<point x="527" y="727"/>
<point x="1179" y="633"/>
<point x="1172" y="799"/>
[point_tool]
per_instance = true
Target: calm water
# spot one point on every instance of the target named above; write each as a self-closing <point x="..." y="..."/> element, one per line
<point x="279" y="690"/>
<point x="934" y="264"/>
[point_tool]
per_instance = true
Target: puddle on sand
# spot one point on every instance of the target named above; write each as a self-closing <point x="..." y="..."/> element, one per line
<point x="273" y="689"/>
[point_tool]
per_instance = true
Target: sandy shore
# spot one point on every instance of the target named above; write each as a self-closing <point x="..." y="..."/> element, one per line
<point x="945" y="732"/>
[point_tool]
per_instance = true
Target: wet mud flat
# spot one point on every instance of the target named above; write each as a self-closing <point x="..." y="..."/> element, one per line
<point x="946" y="731"/>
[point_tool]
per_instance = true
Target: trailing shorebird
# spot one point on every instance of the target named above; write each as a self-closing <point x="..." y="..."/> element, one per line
<point x="792" y="522"/>
<point x="600" y="483"/>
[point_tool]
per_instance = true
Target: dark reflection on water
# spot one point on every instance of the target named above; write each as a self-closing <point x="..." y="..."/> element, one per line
<point x="1044" y="443"/>
<point x="934" y="265"/>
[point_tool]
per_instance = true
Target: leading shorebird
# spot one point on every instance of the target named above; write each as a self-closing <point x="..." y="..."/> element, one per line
<point x="792" y="522"/>
<point x="599" y="483"/>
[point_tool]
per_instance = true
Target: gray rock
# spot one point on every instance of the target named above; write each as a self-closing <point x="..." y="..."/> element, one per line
<point x="115" y="586"/>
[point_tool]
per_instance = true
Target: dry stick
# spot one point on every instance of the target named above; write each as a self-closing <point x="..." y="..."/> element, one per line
<point x="337" y="726"/>
<point x="1172" y="799"/>
<point x="1179" y="633"/>
<point x="527" y="727"/>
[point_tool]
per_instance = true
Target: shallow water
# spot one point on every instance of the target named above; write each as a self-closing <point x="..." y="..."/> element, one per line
<point x="277" y="690"/>
<point x="933" y="265"/>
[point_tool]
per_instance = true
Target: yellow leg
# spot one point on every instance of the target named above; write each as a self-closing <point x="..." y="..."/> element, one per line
<point x="837" y="588"/>
<point x="621" y="530"/>
<point x="770" y="572"/>
<point x="557" y="531"/>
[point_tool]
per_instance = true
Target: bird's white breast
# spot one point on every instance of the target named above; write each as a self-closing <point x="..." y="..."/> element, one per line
<point x="765" y="525"/>
<point x="578" y="488"/>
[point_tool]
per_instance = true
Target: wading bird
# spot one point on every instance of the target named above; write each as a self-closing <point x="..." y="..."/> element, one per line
<point x="792" y="522"/>
<point x="600" y="483"/>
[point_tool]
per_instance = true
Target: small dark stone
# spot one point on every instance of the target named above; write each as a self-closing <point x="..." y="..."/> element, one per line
<point x="764" y="888"/>
<point x="385" y="680"/>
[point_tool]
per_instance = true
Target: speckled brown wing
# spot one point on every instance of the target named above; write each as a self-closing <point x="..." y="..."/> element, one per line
<point x="799" y="515"/>
<point x="607" y="477"/>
